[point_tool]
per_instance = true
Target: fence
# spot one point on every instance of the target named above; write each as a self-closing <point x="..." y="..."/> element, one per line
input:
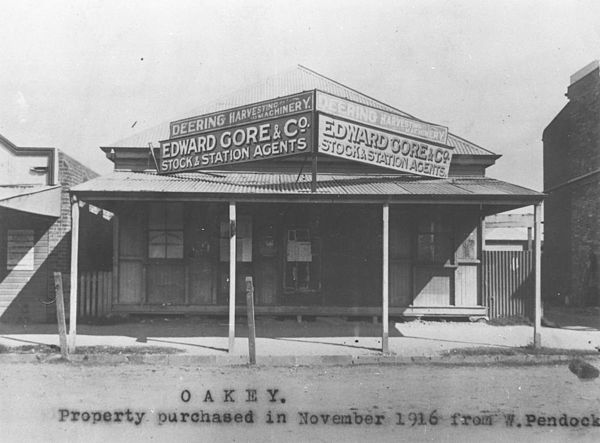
<point x="508" y="283"/>
<point x="94" y="294"/>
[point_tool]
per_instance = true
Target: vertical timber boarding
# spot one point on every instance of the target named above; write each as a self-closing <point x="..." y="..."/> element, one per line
<point x="508" y="283"/>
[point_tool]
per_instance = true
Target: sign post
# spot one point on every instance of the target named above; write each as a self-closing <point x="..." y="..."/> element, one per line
<point x="60" y="315"/>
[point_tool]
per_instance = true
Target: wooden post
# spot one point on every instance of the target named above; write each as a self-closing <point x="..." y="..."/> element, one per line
<point x="232" y="264"/>
<point x="386" y="273"/>
<point x="537" y="323"/>
<point x="114" y="293"/>
<point x="60" y="315"/>
<point x="313" y="182"/>
<point x="251" y="325"/>
<point x="73" y="279"/>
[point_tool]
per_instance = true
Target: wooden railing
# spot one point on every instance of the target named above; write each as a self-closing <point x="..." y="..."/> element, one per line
<point x="94" y="293"/>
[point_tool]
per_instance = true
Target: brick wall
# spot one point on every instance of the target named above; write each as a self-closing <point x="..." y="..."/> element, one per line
<point x="70" y="173"/>
<point x="572" y="210"/>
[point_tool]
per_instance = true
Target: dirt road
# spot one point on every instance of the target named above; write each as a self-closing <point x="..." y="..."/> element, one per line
<point x="60" y="402"/>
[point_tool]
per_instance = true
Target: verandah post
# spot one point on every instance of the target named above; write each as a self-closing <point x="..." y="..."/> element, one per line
<point x="73" y="276"/>
<point x="537" y="263"/>
<point x="232" y="264"/>
<point x="385" y="286"/>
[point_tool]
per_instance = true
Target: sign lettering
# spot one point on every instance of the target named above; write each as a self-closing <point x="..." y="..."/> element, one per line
<point x="359" y="143"/>
<point x="279" y="107"/>
<point x="385" y="120"/>
<point x="275" y="138"/>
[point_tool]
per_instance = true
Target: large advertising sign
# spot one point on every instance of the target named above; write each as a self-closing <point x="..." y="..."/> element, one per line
<point x="279" y="137"/>
<point x="339" y="107"/>
<point x="265" y="110"/>
<point x="347" y="140"/>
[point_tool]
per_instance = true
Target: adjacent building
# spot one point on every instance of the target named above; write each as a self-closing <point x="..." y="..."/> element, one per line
<point x="572" y="182"/>
<point x="35" y="226"/>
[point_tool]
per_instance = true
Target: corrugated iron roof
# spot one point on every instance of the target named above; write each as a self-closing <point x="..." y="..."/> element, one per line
<point x="294" y="81"/>
<point x="261" y="183"/>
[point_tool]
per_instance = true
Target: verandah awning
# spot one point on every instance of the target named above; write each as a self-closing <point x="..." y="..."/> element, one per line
<point x="33" y="199"/>
<point x="269" y="186"/>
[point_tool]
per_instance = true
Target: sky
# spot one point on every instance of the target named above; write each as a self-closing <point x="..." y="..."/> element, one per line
<point x="77" y="75"/>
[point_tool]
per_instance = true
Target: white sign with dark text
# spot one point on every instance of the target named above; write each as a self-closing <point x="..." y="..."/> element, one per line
<point x="355" y="142"/>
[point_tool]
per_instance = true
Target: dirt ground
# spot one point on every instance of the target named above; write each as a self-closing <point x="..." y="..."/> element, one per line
<point x="436" y="403"/>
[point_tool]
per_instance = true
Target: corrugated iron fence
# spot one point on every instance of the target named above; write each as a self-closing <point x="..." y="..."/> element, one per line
<point x="94" y="293"/>
<point x="508" y="283"/>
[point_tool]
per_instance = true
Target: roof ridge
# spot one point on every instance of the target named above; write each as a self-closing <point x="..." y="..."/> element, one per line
<point x="356" y="91"/>
<point x="470" y="142"/>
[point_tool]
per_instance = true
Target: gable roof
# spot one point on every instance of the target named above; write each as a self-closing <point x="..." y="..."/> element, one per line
<point x="289" y="82"/>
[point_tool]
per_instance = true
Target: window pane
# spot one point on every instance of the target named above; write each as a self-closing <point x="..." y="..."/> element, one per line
<point x="174" y="238"/>
<point x="157" y="238"/>
<point x="443" y="248"/>
<point x="156" y="251"/>
<point x="468" y="248"/>
<point x="425" y="248"/>
<point x="174" y="251"/>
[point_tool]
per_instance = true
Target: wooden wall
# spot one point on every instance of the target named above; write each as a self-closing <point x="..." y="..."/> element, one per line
<point x="346" y="248"/>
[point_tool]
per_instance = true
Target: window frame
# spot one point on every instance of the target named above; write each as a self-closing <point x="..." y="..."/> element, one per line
<point x="167" y="230"/>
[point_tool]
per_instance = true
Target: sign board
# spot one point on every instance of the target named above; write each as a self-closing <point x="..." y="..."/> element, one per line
<point x="339" y="107"/>
<point x="351" y="141"/>
<point x="279" y="137"/>
<point x="279" y="107"/>
<point x="20" y="251"/>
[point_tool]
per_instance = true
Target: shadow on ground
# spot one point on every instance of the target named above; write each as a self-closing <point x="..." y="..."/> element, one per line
<point x="142" y="328"/>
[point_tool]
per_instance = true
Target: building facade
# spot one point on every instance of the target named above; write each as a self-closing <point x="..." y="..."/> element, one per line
<point x="572" y="183"/>
<point x="35" y="226"/>
<point x="327" y="199"/>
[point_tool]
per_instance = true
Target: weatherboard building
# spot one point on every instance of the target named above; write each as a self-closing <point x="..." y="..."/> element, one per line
<point x="334" y="203"/>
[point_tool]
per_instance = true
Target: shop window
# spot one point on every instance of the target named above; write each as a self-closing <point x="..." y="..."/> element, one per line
<point x="20" y="250"/>
<point x="243" y="234"/>
<point x="302" y="261"/>
<point x="434" y="242"/>
<point x="165" y="231"/>
<point x="467" y="249"/>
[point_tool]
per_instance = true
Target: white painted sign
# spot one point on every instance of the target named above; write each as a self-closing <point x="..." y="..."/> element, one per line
<point x="339" y="107"/>
<point x="355" y="142"/>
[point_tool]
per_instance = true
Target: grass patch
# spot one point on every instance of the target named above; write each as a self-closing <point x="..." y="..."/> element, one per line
<point x="510" y="321"/>
<point x="523" y="350"/>
<point x="29" y="349"/>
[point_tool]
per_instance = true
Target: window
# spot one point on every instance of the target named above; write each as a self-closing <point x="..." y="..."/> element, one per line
<point x="165" y="231"/>
<point x="467" y="250"/>
<point x="434" y="245"/>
